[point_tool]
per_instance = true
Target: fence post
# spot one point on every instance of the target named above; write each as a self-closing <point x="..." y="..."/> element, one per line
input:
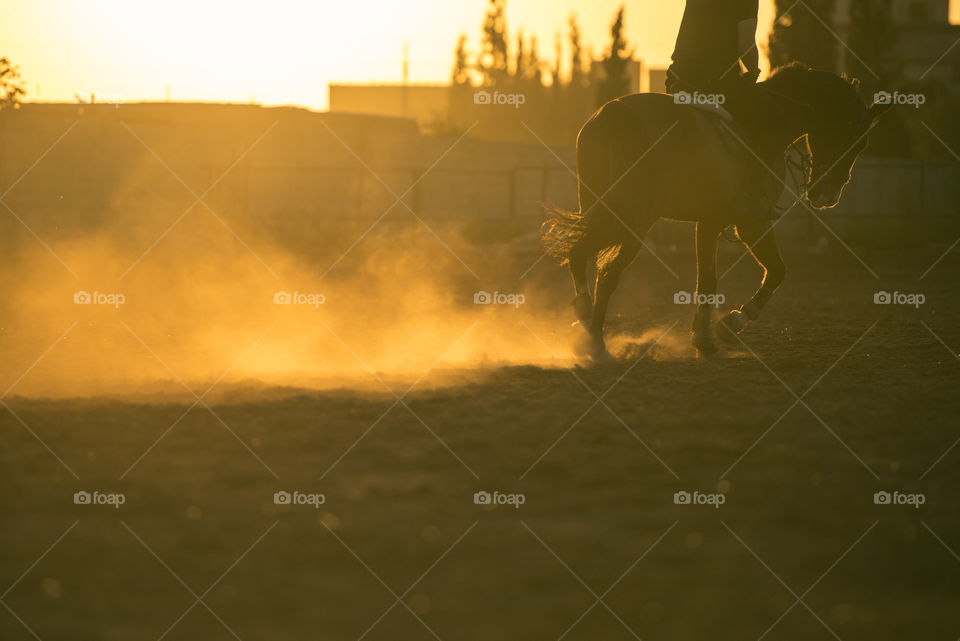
<point x="359" y="174"/>
<point x="416" y="179"/>
<point x="923" y="190"/>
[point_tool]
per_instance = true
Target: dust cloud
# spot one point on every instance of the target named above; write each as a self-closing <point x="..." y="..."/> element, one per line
<point x="148" y="303"/>
<point x="662" y="343"/>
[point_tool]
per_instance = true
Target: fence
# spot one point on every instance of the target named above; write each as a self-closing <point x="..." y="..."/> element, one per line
<point x="909" y="191"/>
<point x="461" y="194"/>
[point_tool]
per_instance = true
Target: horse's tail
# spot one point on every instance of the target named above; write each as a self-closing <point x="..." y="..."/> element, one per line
<point x="585" y="233"/>
<point x="561" y="232"/>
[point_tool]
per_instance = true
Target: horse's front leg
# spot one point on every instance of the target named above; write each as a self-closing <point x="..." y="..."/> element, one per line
<point x="706" y="288"/>
<point x="762" y="244"/>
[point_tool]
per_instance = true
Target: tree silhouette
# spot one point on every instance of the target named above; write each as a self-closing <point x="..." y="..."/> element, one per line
<point x="804" y="32"/>
<point x="578" y="74"/>
<point x="494" y="60"/>
<point x="873" y="35"/>
<point x="515" y="66"/>
<point x="10" y="87"/>
<point x="533" y="64"/>
<point x="520" y="66"/>
<point x="616" y="80"/>
<point x="461" y="62"/>
<point x="558" y="56"/>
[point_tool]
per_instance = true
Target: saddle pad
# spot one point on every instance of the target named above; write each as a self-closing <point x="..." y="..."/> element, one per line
<point x="726" y="129"/>
<point x="714" y="110"/>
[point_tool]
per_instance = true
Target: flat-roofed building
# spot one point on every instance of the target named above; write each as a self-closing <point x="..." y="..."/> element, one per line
<point x="419" y="102"/>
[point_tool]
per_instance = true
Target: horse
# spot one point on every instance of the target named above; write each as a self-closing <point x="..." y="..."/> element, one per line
<point x="649" y="156"/>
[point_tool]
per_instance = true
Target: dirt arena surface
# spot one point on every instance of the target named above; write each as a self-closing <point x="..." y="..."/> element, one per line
<point x="831" y="400"/>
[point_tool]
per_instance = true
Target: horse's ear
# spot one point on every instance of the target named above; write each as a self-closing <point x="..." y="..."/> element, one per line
<point x="877" y="109"/>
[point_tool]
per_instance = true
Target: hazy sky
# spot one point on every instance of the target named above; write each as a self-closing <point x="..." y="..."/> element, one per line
<point x="283" y="51"/>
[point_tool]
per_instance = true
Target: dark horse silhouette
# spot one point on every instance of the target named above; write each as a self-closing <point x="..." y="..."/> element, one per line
<point x="644" y="157"/>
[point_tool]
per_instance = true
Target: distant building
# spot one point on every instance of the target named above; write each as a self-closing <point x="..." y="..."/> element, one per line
<point x="657" y="80"/>
<point x="634" y="73"/>
<point x="926" y="42"/>
<point x="426" y="103"/>
<point x="420" y="102"/>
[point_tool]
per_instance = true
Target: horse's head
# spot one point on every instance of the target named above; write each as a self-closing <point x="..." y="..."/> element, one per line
<point x="840" y="124"/>
<point x="837" y="124"/>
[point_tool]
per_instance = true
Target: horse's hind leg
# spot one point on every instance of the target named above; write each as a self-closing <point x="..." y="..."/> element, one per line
<point x="580" y="255"/>
<point x="592" y="179"/>
<point x="706" y="288"/>
<point x="762" y="244"/>
<point x="608" y="277"/>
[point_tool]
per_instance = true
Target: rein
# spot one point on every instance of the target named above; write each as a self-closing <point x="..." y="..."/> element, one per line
<point x="799" y="172"/>
<point x="799" y="164"/>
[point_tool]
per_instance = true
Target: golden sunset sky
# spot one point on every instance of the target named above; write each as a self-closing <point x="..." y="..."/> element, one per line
<point x="284" y="51"/>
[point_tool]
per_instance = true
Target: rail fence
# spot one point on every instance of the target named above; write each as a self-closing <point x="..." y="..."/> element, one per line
<point x="913" y="192"/>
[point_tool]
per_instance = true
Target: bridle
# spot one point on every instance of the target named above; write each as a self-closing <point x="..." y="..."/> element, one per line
<point x="799" y="162"/>
<point x="798" y="158"/>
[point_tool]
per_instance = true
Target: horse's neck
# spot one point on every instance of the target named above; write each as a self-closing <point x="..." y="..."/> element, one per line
<point x="790" y="133"/>
<point x="792" y="121"/>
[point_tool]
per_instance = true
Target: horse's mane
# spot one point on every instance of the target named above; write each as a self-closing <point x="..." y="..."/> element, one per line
<point x="800" y="83"/>
<point x="796" y="67"/>
<point x="798" y="86"/>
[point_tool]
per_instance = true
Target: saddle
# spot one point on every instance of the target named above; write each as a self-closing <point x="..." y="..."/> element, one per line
<point x="717" y="115"/>
<point x="723" y="122"/>
<point x="732" y="135"/>
<point x="715" y="110"/>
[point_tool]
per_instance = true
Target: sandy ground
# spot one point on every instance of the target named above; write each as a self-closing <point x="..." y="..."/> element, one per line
<point x="598" y="550"/>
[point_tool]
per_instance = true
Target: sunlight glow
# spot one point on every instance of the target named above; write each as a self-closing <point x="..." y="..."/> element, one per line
<point x="285" y="52"/>
<point x="288" y="51"/>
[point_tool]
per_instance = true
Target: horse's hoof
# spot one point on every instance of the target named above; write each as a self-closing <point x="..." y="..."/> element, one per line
<point x="597" y="350"/>
<point x="730" y="325"/>
<point x="590" y="348"/>
<point x="583" y="343"/>
<point x="706" y="349"/>
<point x="601" y="355"/>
